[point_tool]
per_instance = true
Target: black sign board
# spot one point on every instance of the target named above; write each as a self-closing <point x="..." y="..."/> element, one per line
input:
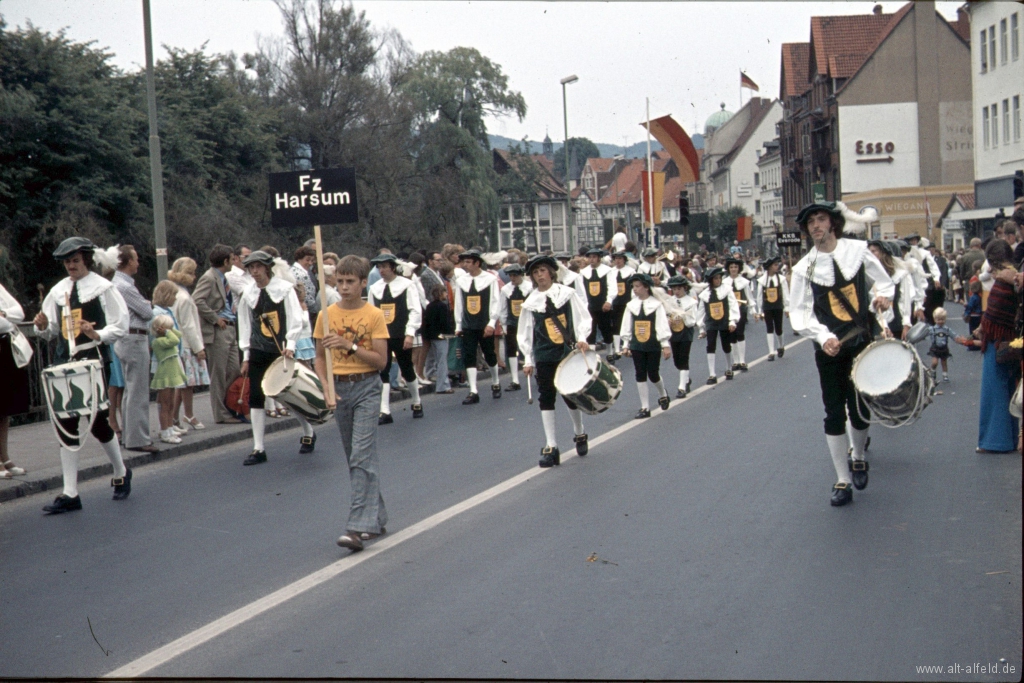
<point x="788" y="239"/>
<point x="301" y="199"/>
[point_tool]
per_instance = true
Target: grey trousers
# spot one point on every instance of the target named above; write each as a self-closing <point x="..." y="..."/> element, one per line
<point x="133" y="352"/>
<point x="222" y="359"/>
<point x="356" y="414"/>
<point x="437" y="362"/>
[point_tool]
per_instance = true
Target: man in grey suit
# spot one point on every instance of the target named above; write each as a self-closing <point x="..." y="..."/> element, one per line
<point x="133" y="352"/>
<point x="214" y="300"/>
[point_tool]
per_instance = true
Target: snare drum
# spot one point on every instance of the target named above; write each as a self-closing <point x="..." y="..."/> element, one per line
<point x="591" y="384"/>
<point x="74" y="390"/>
<point x="293" y="384"/>
<point x="890" y="378"/>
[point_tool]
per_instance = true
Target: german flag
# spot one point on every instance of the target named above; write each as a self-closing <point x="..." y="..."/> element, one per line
<point x="746" y="82"/>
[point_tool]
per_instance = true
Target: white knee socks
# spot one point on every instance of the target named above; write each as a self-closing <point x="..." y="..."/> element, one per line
<point x="471" y="376"/>
<point x="69" y="466"/>
<point x="258" y="418"/>
<point x="385" y="399"/>
<point x="494" y="375"/>
<point x="741" y="352"/>
<point x="711" y="364"/>
<point x="547" y="417"/>
<point x="778" y="341"/>
<point x="660" y="386"/>
<point x="513" y="368"/>
<point x="616" y="343"/>
<point x="859" y="438"/>
<point x="113" y="452"/>
<point x="684" y="377"/>
<point x="414" y="389"/>
<point x="307" y="428"/>
<point x="577" y="420"/>
<point x="771" y="344"/>
<point x="837" y="449"/>
<point x="645" y="403"/>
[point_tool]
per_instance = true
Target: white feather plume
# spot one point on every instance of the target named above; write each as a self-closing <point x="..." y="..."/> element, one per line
<point x="282" y="270"/>
<point x="106" y="259"/>
<point x="857" y="223"/>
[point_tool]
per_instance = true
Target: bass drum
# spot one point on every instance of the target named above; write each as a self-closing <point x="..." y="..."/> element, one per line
<point x="891" y="379"/>
<point x="293" y="384"/>
<point x="591" y="384"/>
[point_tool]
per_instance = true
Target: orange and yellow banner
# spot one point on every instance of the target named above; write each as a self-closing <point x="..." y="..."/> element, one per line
<point x="658" y="182"/>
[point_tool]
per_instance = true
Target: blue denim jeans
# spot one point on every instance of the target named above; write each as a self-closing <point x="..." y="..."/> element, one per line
<point x="437" y="361"/>
<point x="356" y="414"/>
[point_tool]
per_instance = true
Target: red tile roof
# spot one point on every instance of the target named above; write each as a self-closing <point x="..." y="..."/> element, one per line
<point x="966" y="200"/>
<point x="600" y="164"/>
<point x="849" y="35"/>
<point x="795" y="59"/>
<point x="673" y="186"/>
<point x="627" y="189"/>
<point x="547" y="185"/>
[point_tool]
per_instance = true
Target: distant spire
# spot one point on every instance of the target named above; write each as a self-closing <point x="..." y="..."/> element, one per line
<point x="549" y="147"/>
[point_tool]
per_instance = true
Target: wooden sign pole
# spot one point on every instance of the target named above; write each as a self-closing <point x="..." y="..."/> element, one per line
<point x="329" y="387"/>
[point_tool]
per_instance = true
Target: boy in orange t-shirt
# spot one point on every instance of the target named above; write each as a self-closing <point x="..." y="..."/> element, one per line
<point x="358" y="340"/>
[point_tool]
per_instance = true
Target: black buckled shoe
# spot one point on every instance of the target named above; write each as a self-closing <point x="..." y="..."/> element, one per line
<point x="549" y="457"/>
<point x="842" y="493"/>
<point x="743" y="367"/>
<point x="729" y="374"/>
<point x="495" y="391"/>
<point x="689" y="383"/>
<point x="417" y="410"/>
<point x="680" y="394"/>
<point x="471" y="399"/>
<point x="513" y="386"/>
<point x="735" y="367"/>
<point x="664" y="402"/>
<point x="122" y="485"/>
<point x="307" y="444"/>
<point x="782" y="351"/>
<point x="771" y="357"/>
<point x="859" y="469"/>
<point x="63" y="503"/>
<point x="642" y="413"/>
<point x="712" y="380"/>
<point x="581" y="444"/>
<point x="255" y="458"/>
<point x="385" y="419"/>
<point x="612" y="357"/>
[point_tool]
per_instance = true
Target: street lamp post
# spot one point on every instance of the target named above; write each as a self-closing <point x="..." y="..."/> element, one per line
<point x="155" y="167"/>
<point x="568" y="191"/>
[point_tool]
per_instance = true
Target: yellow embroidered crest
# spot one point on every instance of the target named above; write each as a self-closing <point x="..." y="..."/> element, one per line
<point x="838" y="310"/>
<point x="676" y="324"/>
<point x="552" y="329"/>
<point x="622" y="288"/>
<point x="75" y="323"/>
<point x="717" y="310"/>
<point x="271" y="318"/>
<point x="594" y="287"/>
<point x="517" y="306"/>
<point x="642" y="330"/>
<point x="473" y="304"/>
<point x="389" y="313"/>
<point x="771" y="295"/>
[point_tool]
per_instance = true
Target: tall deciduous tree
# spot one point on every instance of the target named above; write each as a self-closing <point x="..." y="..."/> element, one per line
<point x="580" y="149"/>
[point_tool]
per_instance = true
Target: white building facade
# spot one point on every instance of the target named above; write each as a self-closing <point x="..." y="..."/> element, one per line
<point x="737" y="183"/>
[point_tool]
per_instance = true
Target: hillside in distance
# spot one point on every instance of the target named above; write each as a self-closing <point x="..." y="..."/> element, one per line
<point x="635" y="151"/>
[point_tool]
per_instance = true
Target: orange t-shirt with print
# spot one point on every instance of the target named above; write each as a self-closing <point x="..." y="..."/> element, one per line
<point x="361" y="325"/>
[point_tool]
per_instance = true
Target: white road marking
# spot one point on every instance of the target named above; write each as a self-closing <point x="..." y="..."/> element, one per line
<point x="190" y="641"/>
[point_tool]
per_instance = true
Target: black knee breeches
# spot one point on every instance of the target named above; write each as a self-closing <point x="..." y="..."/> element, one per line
<point x="647" y="365"/>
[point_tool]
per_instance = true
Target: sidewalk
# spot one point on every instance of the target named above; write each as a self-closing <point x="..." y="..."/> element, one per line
<point x="35" y="448"/>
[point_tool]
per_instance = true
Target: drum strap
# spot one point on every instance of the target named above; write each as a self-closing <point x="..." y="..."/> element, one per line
<point x="858" y="321"/>
<point x="553" y="312"/>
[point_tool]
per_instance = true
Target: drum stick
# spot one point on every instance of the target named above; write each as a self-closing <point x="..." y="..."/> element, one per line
<point x="69" y="325"/>
<point x="529" y="391"/>
<point x="329" y="388"/>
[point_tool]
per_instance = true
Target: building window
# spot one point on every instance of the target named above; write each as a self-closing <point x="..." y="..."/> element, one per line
<point x="984" y="50"/>
<point x="1014" y="38"/>
<point x="995" y="125"/>
<point x="1006" y="122"/>
<point x="757" y="179"/>
<point x="1003" y="52"/>
<point x="1017" y="118"/>
<point x="984" y="126"/>
<point x="757" y="206"/>
<point x="992" y="47"/>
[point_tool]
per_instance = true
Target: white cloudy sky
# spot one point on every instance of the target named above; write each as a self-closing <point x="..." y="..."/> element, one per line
<point x="684" y="56"/>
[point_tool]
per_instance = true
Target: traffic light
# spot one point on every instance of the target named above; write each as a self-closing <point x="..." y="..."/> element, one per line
<point x="684" y="206"/>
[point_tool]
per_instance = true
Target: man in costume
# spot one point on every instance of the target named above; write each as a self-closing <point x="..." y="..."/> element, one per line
<point x="646" y="334"/>
<point x="829" y="302"/>
<point x="682" y="321"/>
<point x="555" y="320"/>
<point x="740" y="287"/>
<point x="774" y="303"/>
<point x="88" y="309"/>
<point x="512" y="297"/>
<point x="599" y="281"/>
<point x="477" y="307"/>
<point x="934" y="293"/>
<point x="653" y="267"/>
<point x="623" y="293"/>
<point x="398" y="299"/>
<point x="717" y="316"/>
<point x="569" y="277"/>
<point x="269" y="325"/>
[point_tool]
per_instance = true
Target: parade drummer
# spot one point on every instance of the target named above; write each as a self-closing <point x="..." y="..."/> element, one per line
<point x="513" y="295"/>
<point x="829" y="303"/>
<point x="599" y="283"/>
<point x="774" y="303"/>
<point x="623" y="293"/>
<point x="646" y="333"/>
<point x="682" y="323"/>
<point x="717" y="316"/>
<point x="898" y="316"/>
<point x="653" y="267"/>
<point x="740" y="286"/>
<point x="398" y="299"/>
<point x="88" y="309"/>
<point x="477" y="307"/>
<point x="269" y="325"/>
<point x="555" y="321"/>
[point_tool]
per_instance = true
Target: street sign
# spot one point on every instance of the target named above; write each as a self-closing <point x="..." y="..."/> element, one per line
<point x="301" y="199"/>
<point x="818" y="192"/>
<point x="788" y="239"/>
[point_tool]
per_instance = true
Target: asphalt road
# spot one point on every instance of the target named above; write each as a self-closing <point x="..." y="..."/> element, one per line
<point x="697" y="544"/>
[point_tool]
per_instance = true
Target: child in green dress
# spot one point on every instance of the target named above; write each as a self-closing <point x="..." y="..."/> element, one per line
<point x="169" y="373"/>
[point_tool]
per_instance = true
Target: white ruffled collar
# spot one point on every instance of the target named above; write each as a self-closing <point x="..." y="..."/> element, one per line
<point x="277" y="289"/>
<point x="537" y="300"/>
<point x="398" y="285"/>
<point x="89" y="287"/>
<point x="650" y="304"/>
<point x="724" y="290"/>
<point x="483" y="280"/>
<point x="849" y="256"/>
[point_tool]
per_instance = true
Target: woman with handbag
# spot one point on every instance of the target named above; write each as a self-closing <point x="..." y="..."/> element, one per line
<point x="15" y="353"/>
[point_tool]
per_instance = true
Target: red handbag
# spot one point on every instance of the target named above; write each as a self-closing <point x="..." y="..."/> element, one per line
<point x="237" y="398"/>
